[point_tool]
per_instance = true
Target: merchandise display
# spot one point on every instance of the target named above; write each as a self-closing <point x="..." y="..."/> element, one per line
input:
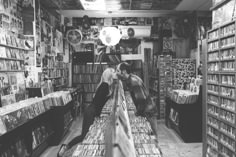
<point x="14" y="115"/>
<point x="182" y="70"/>
<point x="40" y="134"/>
<point x="185" y="118"/>
<point x="165" y="80"/>
<point x="94" y="142"/>
<point x="127" y="133"/>
<point x="220" y="138"/>
<point x="188" y="95"/>
<point x="88" y="76"/>
<point x="52" y="56"/>
<point x="145" y="144"/>
<point x="13" y="46"/>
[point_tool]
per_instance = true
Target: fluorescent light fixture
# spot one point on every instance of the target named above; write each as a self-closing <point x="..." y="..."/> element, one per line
<point x="93" y="4"/>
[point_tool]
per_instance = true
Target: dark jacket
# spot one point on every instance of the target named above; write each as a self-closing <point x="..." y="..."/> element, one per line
<point x="140" y="96"/>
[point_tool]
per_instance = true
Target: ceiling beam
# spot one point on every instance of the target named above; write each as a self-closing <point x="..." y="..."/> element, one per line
<point x="121" y="13"/>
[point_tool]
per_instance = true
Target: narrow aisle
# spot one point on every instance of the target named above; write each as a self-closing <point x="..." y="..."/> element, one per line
<point x="74" y="131"/>
<point x="172" y="146"/>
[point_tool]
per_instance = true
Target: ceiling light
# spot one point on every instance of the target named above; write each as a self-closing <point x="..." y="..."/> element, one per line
<point x="110" y="36"/>
<point x="93" y="4"/>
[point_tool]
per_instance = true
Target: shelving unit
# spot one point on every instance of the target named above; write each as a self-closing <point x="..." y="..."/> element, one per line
<point x="165" y="81"/>
<point x="44" y="122"/>
<point x="185" y="119"/>
<point x="221" y="97"/>
<point x="88" y="76"/>
<point x="12" y="59"/>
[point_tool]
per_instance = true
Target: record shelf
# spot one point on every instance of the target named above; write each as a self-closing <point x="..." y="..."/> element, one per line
<point x="220" y="99"/>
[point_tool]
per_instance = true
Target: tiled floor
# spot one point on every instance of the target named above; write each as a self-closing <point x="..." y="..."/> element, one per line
<point x="170" y="144"/>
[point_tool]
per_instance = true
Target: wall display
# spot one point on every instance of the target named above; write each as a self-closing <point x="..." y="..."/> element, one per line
<point x="167" y="44"/>
<point x="88" y="75"/>
<point x="182" y="69"/>
<point x="58" y="42"/>
<point x="220" y="99"/>
<point x="164" y="80"/>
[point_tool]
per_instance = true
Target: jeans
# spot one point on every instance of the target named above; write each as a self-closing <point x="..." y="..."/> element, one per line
<point x="89" y="116"/>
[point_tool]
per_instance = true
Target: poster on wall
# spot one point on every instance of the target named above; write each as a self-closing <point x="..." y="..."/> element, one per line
<point x="167" y="44"/>
<point x="58" y="42"/>
<point x="33" y="76"/>
<point x="182" y="71"/>
<point x="30" y="58"/>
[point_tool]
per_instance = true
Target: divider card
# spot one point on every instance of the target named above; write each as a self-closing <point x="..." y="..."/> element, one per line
<point x="123" y="142"/>
<point x="123" y="105"/>
<point x="123" y="121"/>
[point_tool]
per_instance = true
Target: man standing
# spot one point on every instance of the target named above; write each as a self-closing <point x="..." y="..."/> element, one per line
<point x="142" y="100"/>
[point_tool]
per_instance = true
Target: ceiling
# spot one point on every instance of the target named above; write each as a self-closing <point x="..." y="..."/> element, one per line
<point x="191" y="5"/>
<point x="126" y="4"/>
<point x="148" y="8"/>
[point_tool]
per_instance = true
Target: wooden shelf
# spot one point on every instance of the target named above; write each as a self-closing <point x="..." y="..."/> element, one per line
<point x="230" y="148"/>
<point x="58" y="86"/>
<point x="227" y="85"/>
<point x="6" y="71"/>
<point x="49" y="78"/>
<point x="228" y="59"/>
<point x="14" y="47"/>
<point x="213" y="61"/>
<point x="15" y="59"/>
<point x="228" y="35"/>
<point x="213" y="83"/>
<point x="214" y="50"/>
<point x="228" y="110"/>
<point x="86" y="74"/>
<point x="227" y="47"/>
<point x="213" y="126"/>
<point x="227" y="122"/>
<point x="212" y="136"/>
<point x="228" y="135"/>
<point x="211" y="40"/>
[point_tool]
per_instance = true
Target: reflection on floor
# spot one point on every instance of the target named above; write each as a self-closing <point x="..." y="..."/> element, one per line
<point x="170" y="144"/>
